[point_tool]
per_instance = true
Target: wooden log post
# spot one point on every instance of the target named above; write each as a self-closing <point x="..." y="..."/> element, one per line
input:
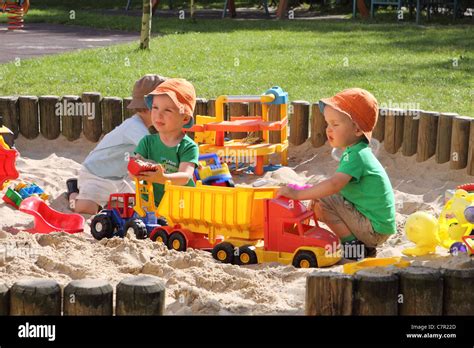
<point x="410" y="132"/>
<point x="111" y="113"/>
<point x="140" y="295"/>
<point x="238" y="109"/>
<point x="427" y="132"/>
<point x="88" y="297"/>
<point x="393" y="137"/>
<point x="29" y="116"/>
<point x="255" y="109"/>
<point x="376" y="293"/>
<point x="274" y="114"/>
<point x="71" y="118"/>
<point x="4" y="299"/>
<point x="460" y="142"/>
<point x="299" y="122"/>
<point x="329" y="293"/>
<point x="470" y="159"/>
<point x="457" y="299"/>
<point x="379" y="129"/>
<point x="421" y="289"/>
<point x="10" y="113"/>
<point x="35" y="296"/>
<point x="50" y="120"/>
<point x="127" y="113"/>
<point x="318" y="126"/>
<point x="92" y="124"/>
<point x="200" y="109"/>
<point x="443" y="137"/>
<point x="211" y="107"/>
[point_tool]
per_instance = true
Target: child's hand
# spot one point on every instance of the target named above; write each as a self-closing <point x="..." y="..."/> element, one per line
<point x="157" y="176"/>
<point x="286" y="192"/>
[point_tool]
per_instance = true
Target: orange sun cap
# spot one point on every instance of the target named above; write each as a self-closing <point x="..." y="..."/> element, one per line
<point x="181" y="92"/>
<point x="357" y="103"/>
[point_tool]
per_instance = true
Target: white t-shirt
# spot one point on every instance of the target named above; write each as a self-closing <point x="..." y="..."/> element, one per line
<point x="109" y="159"/>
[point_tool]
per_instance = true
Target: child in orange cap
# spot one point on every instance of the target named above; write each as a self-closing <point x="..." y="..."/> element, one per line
<point x="172" y="106"/>
<point x="357" y="202"/>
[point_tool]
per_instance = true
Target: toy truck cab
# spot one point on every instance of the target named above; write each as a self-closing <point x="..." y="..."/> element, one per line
<point x="120" y="218"/>
<point x="290" y="238"/>
<point x="122" y="204"/>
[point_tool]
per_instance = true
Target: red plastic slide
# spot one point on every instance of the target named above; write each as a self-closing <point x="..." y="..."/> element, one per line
<point x="49" y="220"/>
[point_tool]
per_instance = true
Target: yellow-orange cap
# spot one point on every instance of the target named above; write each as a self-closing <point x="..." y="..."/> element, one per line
<point x="181" y="92"/>
<point x="357" y="103"/>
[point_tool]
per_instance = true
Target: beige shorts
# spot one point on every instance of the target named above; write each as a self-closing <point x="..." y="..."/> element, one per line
<point x="338" y="210"/>
<point x="97" y="189"/>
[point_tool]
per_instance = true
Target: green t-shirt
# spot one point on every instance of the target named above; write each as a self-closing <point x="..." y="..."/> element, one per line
<point x="369" y="189"/>
<point x="151" y="147"/>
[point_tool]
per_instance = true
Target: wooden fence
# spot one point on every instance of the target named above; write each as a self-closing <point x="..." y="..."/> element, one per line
<point x="446" y="136"/>
<point x="136" y="295"/>
<point x="411" y="291"/>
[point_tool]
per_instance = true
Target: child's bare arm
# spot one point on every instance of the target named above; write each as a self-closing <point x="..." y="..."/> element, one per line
<point x="186" y="171"/>
<point x="325" y="188"/>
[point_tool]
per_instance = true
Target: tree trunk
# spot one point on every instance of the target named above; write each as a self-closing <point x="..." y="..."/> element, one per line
<point x="146" y="25"/>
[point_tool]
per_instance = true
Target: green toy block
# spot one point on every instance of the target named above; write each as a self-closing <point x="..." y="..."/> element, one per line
<point x="14" y="197"/>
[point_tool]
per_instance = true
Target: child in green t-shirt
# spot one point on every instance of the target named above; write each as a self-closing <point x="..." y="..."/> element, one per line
<point x="357" y="203"/>
<point x="172" y="107"/>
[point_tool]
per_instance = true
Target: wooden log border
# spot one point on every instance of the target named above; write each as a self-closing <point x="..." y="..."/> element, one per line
<point x="135" y="295"/>
<point x="448" y="137"/>
<point x="414" y="290"/>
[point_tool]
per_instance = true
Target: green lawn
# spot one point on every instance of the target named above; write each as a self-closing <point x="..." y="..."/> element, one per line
<point x="399" y="63"/>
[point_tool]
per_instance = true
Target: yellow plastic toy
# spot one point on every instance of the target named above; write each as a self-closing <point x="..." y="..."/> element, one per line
<point x="452" y="222"/>
<point x="243" y="225"/>
<point x="427" y="233"/>
<point x="351" y="268"/>
<point x="209" y="131"/>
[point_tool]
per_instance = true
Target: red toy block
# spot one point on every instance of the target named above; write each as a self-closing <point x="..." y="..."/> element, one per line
<point x="137" y="166"/>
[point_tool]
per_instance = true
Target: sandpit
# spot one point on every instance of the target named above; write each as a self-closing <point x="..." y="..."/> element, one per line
<point x="195" y="282"/>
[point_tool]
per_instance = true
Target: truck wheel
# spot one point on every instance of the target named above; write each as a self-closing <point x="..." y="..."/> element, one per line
<point x="246" y="256"/>
<point x="223" y="252"/>
<point x="159" y="235"/>
<point x="101" y="227"/>
<point x="177" y="242"/>
<point x="136" y="226"/>
<point x="305" y="259"/>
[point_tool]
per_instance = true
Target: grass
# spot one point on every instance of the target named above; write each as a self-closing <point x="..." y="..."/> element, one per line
<point x="398" y="63"/>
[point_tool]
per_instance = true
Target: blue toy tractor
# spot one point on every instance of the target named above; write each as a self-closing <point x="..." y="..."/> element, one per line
<point x="120" y="218"/>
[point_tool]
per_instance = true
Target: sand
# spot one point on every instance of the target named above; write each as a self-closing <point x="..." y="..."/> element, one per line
<point x="195" y="282"/>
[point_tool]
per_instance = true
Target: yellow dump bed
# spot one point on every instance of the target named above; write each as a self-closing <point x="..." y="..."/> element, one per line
<point x="232" y="212"/>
